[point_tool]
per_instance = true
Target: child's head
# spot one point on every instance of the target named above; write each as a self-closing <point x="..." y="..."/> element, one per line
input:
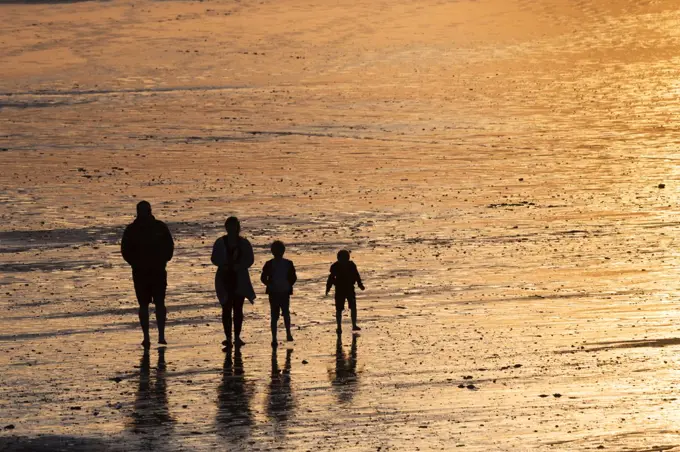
<point x="278" y="248"/>
<point x="343" y="256"/>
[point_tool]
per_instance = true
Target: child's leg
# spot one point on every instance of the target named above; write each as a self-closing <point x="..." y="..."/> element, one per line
<point x="285" y="310"/>
<point x="339" y="306"/>
<point x="352" y="301"/>
<point x="274" y="309"/>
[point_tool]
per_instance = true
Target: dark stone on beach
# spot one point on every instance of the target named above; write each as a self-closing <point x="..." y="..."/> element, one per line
<point x="461" y="386"/>
<point x="557" y="395"/>
<point x="117" y="379"/>
<point x="472" y="387"/>
<point x="517" y="366"/>
<point x="76" y="408"/>
<point x="662" y="185"/>
<point x="521" y="179"/>
<point x="543" y="395"/>
<point x="9" y="427"/>
<point x="467" y="377"/>
<point x="304" y="361"/>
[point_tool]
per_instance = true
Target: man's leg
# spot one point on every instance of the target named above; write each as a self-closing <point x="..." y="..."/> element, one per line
<point x="238" y="320"/>
<point x="143" y="292"/>
<point x="274" y="310"/>
<point x="144" y="322"/>
<point x="160" y="286"/>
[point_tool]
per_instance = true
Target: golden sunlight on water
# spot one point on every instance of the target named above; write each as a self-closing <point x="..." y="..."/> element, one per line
<point x="504" y="172"/>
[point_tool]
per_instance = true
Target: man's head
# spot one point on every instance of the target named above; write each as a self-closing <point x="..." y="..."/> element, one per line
<point x="233" y="226"/>
<point x="143" y="209"/>
<point x="278" y="248"/>
<point x="343" y="256"/>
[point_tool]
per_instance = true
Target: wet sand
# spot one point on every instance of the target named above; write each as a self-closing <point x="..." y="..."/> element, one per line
<point x="494" y="166"/>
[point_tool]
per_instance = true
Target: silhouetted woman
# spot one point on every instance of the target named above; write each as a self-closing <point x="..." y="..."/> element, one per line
<point x="233" y="256"/>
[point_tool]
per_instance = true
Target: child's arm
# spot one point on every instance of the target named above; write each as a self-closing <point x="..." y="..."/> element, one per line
<point x="292" y="276"/>
<point x="358" y="278"/>
<point x="331" y="280"/>
<point x="266" y="273"/>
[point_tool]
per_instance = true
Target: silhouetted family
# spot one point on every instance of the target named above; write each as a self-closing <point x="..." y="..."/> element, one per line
<point x="148" y="246"/>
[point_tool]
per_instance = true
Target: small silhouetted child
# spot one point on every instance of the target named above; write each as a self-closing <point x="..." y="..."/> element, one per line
<point x="344" y="274"/>
<point x="279" y="276"/>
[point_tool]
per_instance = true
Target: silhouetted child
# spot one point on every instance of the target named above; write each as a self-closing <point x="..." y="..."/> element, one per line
<point x="344" y="274"/>
<point x="279" y="276"/>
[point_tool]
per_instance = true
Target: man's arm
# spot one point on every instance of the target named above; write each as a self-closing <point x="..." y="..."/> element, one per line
<point x="126" y="246"/>
<point x="168" y="243"/>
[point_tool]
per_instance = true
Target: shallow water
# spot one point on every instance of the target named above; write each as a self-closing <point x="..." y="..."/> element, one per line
<point x="494" y="166"/>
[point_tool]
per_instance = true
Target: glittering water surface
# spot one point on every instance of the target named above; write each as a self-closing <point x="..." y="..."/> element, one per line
<point x="494" y="166"/>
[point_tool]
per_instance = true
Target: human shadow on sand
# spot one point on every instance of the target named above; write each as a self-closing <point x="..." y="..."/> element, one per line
<point x="280" y="402"/>
<point x="344" y="379"/>
<point x="53" y="443"/>
<point x="151" y="419"/>
<point x="234" y="419"/>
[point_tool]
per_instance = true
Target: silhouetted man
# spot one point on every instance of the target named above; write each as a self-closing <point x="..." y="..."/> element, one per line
<point x="147" y="246"/>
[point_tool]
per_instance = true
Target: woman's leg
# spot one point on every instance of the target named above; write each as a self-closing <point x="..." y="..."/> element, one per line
<point x="226" y="320"/>
<point x="238" y="319"/>
<point x="225" y="303"/>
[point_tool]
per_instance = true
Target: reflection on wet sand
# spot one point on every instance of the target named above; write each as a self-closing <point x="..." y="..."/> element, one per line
<point x="234" y="416"/>
<point x="151" y="417"/>
<point x="345" y="379"/>
<point x="280" y="402"/>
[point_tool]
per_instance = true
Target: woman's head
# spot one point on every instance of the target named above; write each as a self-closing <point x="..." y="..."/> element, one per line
<point x="233" y="226"/>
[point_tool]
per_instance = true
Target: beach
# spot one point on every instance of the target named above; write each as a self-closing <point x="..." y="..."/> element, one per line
<point x="505" y="174"/>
